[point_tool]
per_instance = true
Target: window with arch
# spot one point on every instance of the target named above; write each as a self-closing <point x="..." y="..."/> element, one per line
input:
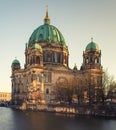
<point x="58" y="57"/>
<point x="85" y="95"/>
<point x="33" y="60"/>
<point x="37" y="60"/>
<point x="96" y="60"/>
<point x="91" y="58"/>
<point x="47" y="77"/>
<point x="48" y="56"/>
<point x="47" y="91"/>
<point x="87" y="61"/>
<point x="44" y="56"/>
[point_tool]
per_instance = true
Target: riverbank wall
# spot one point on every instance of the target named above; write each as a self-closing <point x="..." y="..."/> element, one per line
<point x="90" y="110"/>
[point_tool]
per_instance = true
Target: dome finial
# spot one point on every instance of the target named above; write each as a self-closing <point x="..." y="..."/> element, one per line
<point x="46" y="11"/>
<point x="47" y="19"/>
<point x="91" y="39"/>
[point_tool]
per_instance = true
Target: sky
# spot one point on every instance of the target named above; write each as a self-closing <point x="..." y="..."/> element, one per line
<point x="77" y="20"/>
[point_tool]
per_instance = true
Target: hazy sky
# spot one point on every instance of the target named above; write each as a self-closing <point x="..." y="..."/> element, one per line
<point x="77" y="20"/>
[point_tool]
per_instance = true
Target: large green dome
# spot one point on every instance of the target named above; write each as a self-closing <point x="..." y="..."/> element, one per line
<point x="92" y="46"/>
<point x="46" y="33"/>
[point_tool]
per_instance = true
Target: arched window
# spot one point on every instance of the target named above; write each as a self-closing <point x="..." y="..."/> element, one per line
<point x="48" y="57"/>
<point x="65" y="59"/>
<point x="85" y="95"/>
<point x="44" y="56"/>
<point x="58" y="57"/>
<point x="91" y="58"/>
<point x="96" y="60"/>
<point x="37" y="60"/>
<point x="33" y="60"/>
<point x="47" y="77"/>
<point x="47" y="91"/>
<point x="87" y="61"/>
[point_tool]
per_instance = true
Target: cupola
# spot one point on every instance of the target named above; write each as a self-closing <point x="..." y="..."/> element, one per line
<point x="15" y="64"/>
<point x="92" y="46"/>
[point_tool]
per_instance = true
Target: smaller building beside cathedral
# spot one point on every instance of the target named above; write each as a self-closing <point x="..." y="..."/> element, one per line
<point x="5" y="97"/>
<point x="47" y="67"/>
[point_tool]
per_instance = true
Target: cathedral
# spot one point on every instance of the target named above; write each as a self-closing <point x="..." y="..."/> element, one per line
<point x="47" y="66"/>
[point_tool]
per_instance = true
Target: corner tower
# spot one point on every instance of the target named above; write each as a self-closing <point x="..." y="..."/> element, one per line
<point x="91" y="56"/>
<point x="92" y="69"/>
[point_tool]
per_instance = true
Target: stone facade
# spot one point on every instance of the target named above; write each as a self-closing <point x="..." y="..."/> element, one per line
<point x="46" y="64"/>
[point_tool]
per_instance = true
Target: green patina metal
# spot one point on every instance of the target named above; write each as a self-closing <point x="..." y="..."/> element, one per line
<point x="15" y="62"/>
<point x="92" y="46"/>
<point x="37" y="46"/>
<point x="46" y="33"/>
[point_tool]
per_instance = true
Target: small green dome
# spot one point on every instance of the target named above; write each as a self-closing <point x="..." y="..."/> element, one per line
<point x="37" y="46"/>
<point x="15" y="62"/>
<point x="92" y="46"/>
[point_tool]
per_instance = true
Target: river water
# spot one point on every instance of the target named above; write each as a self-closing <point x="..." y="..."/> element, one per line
<point x="18" y="120"/>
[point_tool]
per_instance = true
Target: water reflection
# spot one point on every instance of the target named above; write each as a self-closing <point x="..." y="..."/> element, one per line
<point x="18" y="120"/>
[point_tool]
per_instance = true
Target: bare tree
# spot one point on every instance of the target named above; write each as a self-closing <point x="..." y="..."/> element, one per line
<point x="107" y="81"/>
<point x="112" y="91"/>
<point x="64" y="91"/>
